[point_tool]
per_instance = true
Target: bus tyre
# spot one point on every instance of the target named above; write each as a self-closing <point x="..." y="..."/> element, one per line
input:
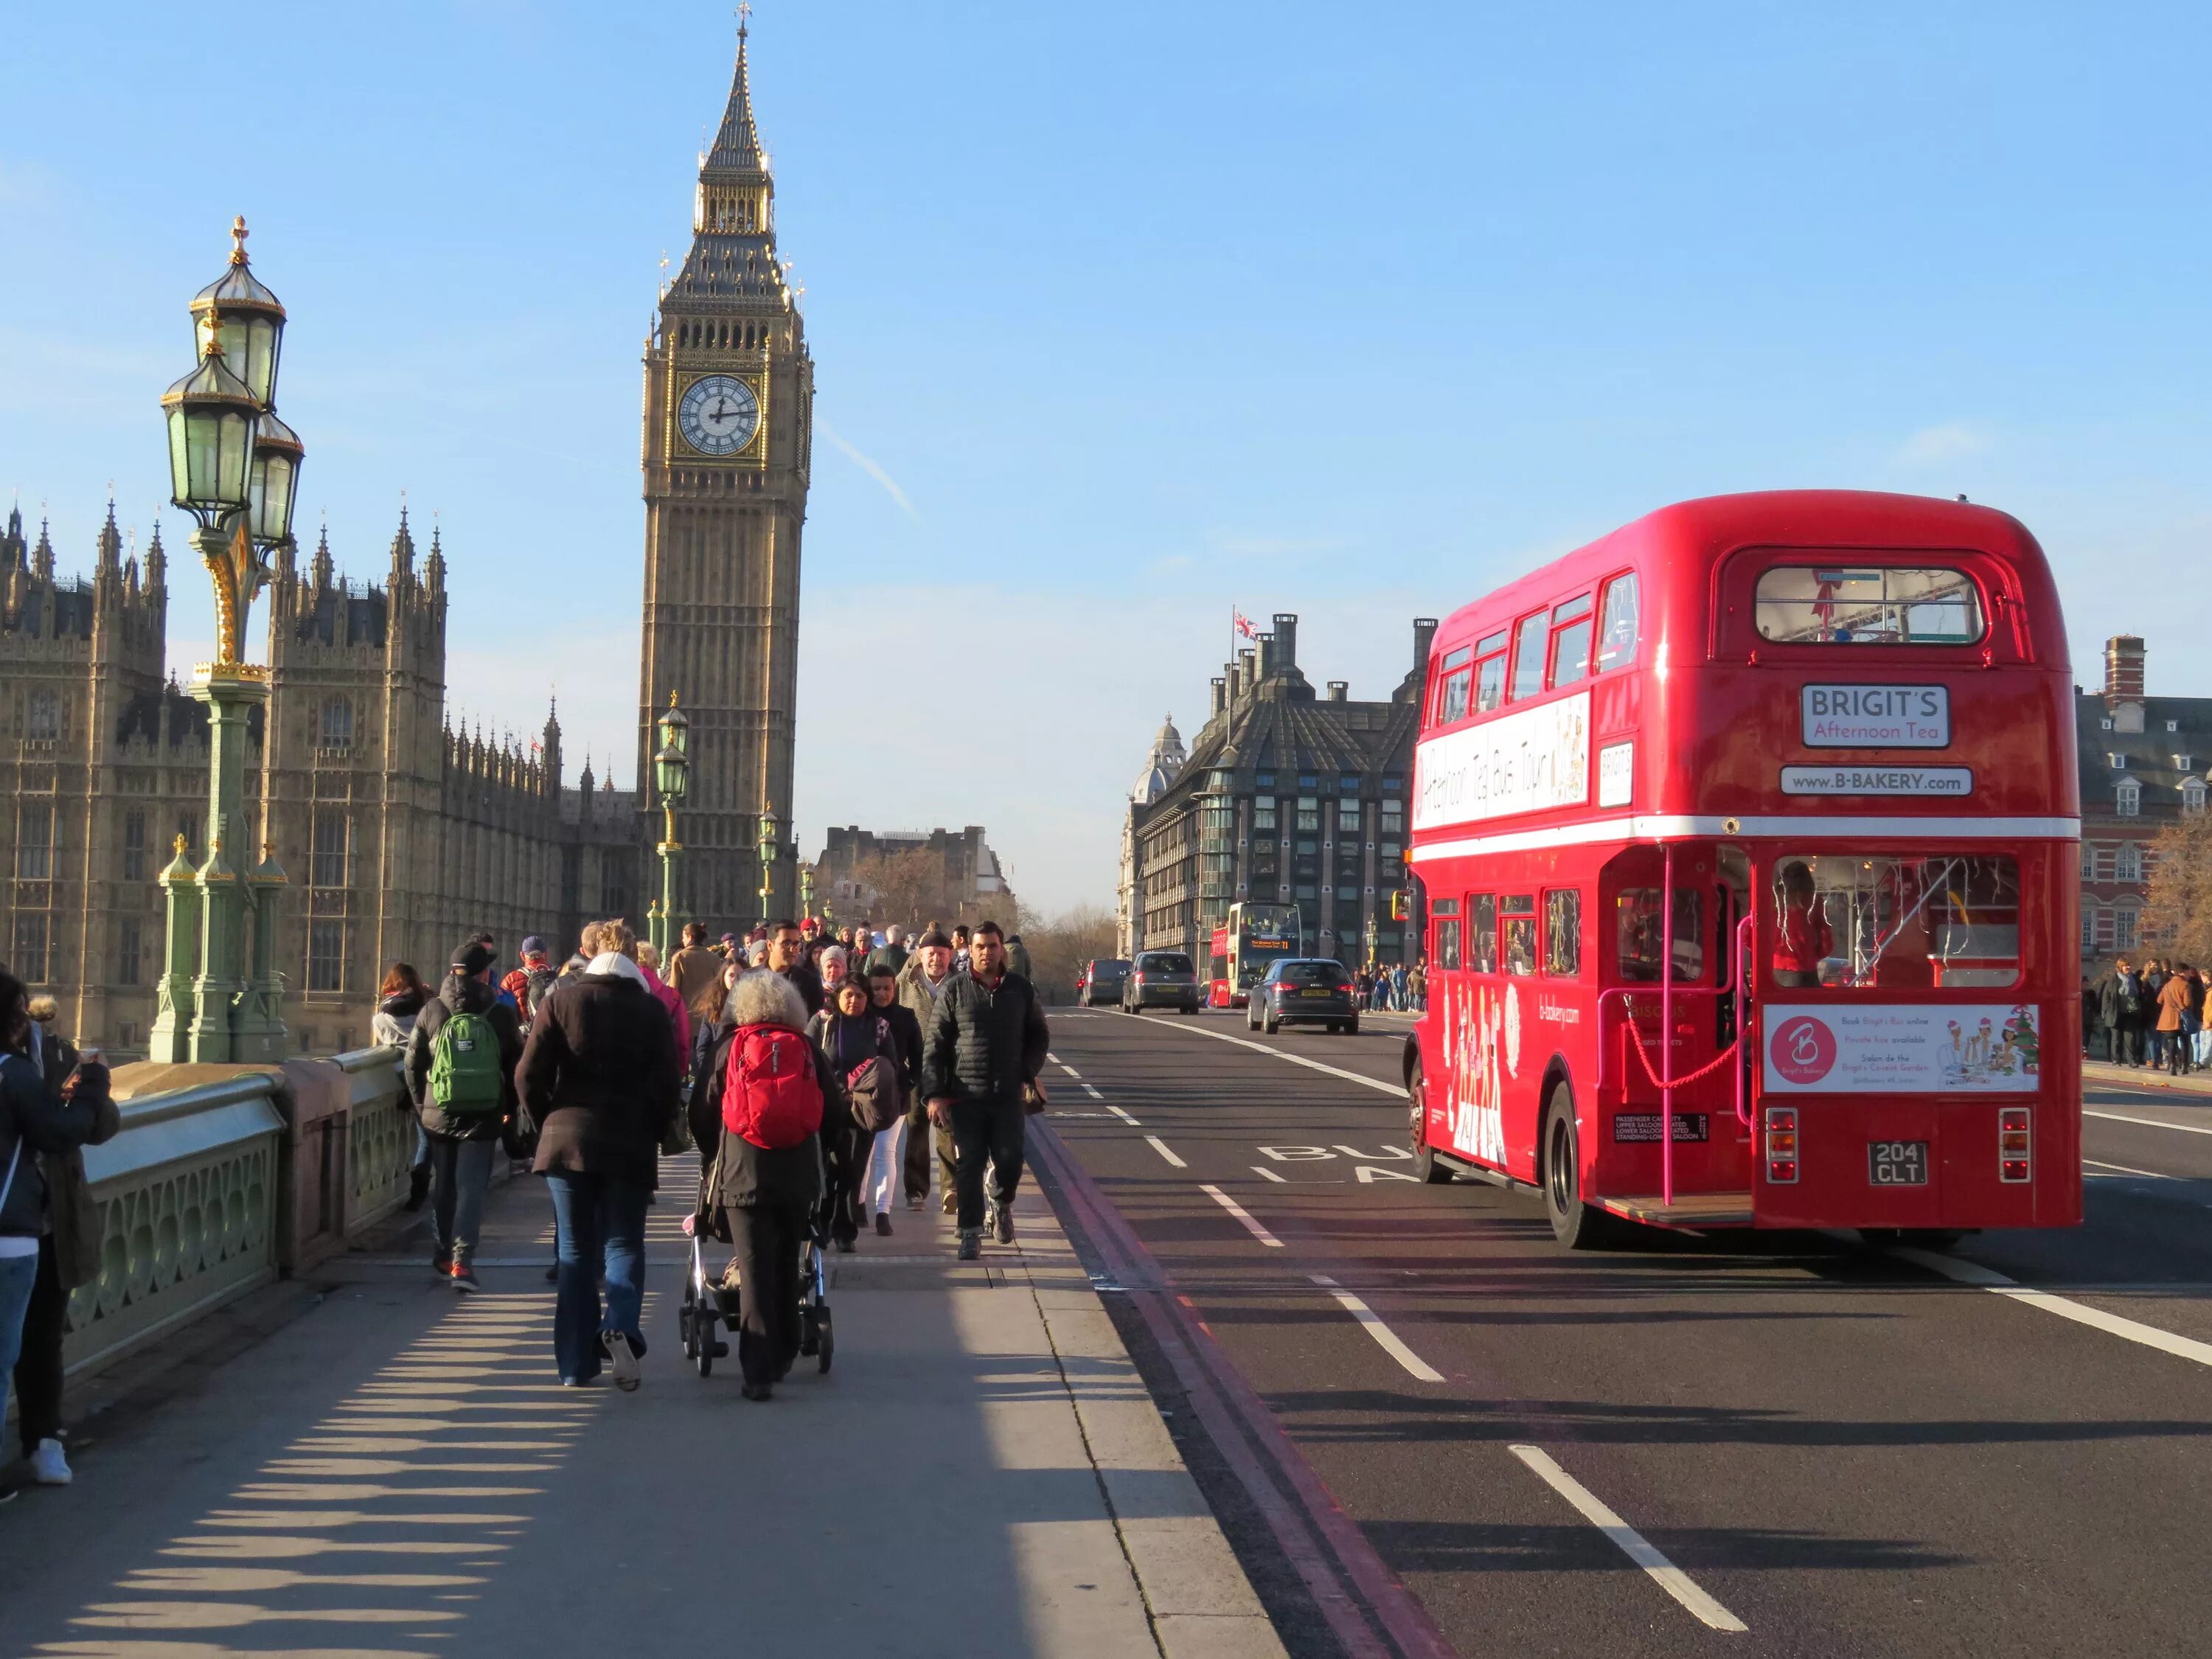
<point x="1577" y="1226"/>
<point x="1426" y="1164"/>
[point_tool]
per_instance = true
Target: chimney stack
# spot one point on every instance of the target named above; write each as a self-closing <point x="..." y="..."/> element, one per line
<point x="2124" y="667"/>
<point x="1425" y="635"/>
<point x="1286" y="641"/>
<point x="1266" y="651"/>
<point x="1239" y="679"/>
<point x="1339" y="690"/>
<point x="1220" y="693"/>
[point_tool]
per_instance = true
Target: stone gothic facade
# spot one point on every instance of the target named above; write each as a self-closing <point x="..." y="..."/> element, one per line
<point x="398" y="835"/>
<point x="728" y="442"/>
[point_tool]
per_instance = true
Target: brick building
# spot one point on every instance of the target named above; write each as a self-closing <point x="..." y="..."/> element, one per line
<point x="2143" y="763"/>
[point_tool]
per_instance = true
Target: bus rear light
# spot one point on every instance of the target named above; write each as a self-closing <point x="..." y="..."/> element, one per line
<point x="1782" y="1146"/>
<point x="2014" y="1145"/>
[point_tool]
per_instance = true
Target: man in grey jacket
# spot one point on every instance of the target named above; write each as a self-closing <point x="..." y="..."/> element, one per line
<point x="928" y="971"/>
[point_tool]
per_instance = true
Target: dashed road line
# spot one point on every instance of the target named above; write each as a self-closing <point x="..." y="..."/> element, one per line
<point x="1385" y="1338"/>
<point x="1633" y="1544"/>
<point x="1123" y="1116"/>
<point x="1295" y="1059"/>
<point x="1092" y="1092"/>
<point x="1244" y="1215"/>
<point x="2129" y="1169"/>
<point x="1988" y="1279"/>
<point x="1161" y="1147"/>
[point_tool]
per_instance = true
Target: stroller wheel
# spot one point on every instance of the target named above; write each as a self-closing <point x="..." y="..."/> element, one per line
<point x="829" y="1339"/>
<point x="810" y="1332"/>
<point x="703" y="1330"/>
<point x="686" y="1321"/>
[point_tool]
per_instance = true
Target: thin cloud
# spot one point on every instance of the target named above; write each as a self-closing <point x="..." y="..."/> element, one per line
<point x="1937" y="444"/>
<point x="890" y="483"/>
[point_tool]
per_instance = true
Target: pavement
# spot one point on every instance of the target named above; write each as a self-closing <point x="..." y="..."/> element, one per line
<point x="396" y="1472"/>
<point x="1840" y="1450"/>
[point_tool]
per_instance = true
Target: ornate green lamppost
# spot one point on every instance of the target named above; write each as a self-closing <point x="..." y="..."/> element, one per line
<point x="671" y="777"/>
<point x="805" y="891"/>
<point x="768" y="851"/>
<point x="236" y="468"/>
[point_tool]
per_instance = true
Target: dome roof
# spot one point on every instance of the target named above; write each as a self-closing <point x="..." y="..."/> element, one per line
<point x="1161" y="765"/>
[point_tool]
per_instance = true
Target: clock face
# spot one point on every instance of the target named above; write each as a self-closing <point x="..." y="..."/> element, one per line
<point x="718" y="414"/>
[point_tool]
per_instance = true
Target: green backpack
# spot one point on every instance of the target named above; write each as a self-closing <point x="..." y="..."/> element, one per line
<point x="464" y="1079"/>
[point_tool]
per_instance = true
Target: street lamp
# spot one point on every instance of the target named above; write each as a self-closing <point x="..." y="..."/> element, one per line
<point x="236" y="468"/>
<point x="805" y="891"/>
<point x="768" y="850"/>
<point x="671" y="777"/>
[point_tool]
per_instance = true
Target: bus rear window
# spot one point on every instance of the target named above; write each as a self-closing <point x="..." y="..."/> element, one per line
<point x="1868" y="605"/>
<point x="1640" y="936"/>
<point x="1866" y="922"/>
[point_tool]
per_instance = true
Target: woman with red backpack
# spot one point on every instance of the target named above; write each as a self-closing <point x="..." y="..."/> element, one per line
<point x="756" y="1114"/>
<point x="863" y="1061"/>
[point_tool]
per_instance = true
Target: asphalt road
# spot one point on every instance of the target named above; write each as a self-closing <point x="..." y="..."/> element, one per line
<point x="1841" y="1449"/>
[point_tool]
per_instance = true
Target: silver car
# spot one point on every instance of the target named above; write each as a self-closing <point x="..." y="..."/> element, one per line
<point x="1160" y="979"/>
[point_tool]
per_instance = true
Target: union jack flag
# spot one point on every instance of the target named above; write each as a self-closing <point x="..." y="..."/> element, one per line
<point x="1244" y="625"/>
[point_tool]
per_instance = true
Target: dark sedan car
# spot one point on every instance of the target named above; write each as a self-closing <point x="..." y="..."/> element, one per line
<point x="1161" y="979"/>
<point x="1304" y="991"/>
<point x="1102" y="981"/>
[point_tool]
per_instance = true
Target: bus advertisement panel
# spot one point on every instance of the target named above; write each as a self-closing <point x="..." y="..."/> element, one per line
<point x="1750" y="835"/>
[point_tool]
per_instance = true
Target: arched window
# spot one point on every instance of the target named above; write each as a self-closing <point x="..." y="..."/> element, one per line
<point x="337" y="724"/>
<point x="43" y="718"/>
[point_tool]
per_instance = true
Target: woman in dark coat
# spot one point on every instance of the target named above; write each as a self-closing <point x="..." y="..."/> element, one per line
<point x="598" y="1079"/>
<point x="759" y="1198"/>
<point x="850" y="1034"/>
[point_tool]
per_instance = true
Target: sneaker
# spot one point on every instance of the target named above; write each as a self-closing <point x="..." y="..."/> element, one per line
<point x="442" y="1264"/>
<point x="757" y="1391"/>
<point x="463" y="1273"/>
<point x="624" y="1358"/>
<point x="846" y="1247"/>
<point x="949" y="1204"/>
<point x="915" y="1200"/>
<point x="883" y="1226"/>
<point x="1002" y="1222"/>
<point x="971" y="1243"/>
<point x="580" y="1381"/>
<point x="48" y="1466"/>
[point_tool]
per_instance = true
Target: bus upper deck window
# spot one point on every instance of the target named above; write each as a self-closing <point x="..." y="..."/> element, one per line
<point x="1490" y="672"/>
<point x="1451" y="701"/>
<point x="1868" y="605"/>
<point x="1616" y="630"/>
<point x="1528" y="656"/>
<point x="1570" y="640"/>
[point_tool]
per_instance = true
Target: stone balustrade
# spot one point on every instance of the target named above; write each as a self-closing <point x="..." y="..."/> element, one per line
<point x="224" y="1177"/>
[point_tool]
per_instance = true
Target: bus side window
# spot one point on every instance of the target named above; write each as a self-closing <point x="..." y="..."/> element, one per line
<point x="1528" y="656"/>
<point x="1482" y="934"/>
<point x="1518" y="916"/>
<point x="1490" y="672"/>
<point x="1443" y="915"/>
<point x="1563" y="934"/>
<point x="1616" y="633"/>
<point x="1451" y="701"/>
<point x="1637" y="935"/>
<point x="1570" y="640"/>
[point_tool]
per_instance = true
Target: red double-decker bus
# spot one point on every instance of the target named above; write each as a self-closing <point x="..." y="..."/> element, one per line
<point x="1750" y="837"/>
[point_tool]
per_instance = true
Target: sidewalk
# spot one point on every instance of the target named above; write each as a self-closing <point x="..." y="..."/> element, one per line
<point x="2102" y="1070"/>
<point x="396" y="1473"/>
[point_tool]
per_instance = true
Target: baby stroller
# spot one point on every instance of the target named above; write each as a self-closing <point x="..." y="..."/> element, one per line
<point x="709" y="1301"/>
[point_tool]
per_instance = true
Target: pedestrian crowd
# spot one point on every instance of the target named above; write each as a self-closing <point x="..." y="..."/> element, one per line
<point x="2151" y="1016"/>
<point x="824" y="1077"/>
<point x="1393" y="988"/>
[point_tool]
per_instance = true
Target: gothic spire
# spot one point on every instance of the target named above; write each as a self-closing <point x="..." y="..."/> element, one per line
<point x="42" y="555"/>
<point x="157" y="563"/>
<point x="737" y="145"/>
<point x="433" y="569"/>
<point x="111" y="542"/>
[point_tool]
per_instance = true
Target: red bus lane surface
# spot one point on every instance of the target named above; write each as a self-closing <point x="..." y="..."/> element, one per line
<point x="1824" y="1442"/>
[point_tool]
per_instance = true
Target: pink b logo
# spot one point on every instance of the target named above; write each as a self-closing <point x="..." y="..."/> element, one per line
<point x="1804" y="1050"/>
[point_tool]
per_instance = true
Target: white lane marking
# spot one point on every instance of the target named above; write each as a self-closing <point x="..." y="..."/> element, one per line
<point x="2128" y="1168"/>
<point x="2147" y="1122"/>
<point x="1270" y="1175"/>
<point x="1123" y="1116"/>
<point x="1161" y="1147"/>
<point x="1988" y="1279"/>
<point x="1242" y="1215"/>
<point x="1385" y="1338"/>
<point x="1633" y="1544"/>
<point x="1092" y="1092"/>
<point x="1295" y="1059"/>
<point x="1053" y="1057"/>
<point x="1069" y="1069"/>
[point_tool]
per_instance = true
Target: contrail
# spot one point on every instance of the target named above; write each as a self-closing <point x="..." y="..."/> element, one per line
<point x="869" y="467"/>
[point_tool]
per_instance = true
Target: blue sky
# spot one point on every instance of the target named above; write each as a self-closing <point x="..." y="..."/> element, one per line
<point x="1125" y="316"/>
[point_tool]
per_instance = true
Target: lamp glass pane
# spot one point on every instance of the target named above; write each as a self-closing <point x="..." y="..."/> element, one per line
<point x="237" y="456"/>
<point x="180" y="470"/>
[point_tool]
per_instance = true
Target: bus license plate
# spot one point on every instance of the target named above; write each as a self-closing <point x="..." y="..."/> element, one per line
<point x="1897" y="1162"/>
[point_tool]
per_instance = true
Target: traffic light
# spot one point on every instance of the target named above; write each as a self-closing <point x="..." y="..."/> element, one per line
<point x="1401" y="905"/>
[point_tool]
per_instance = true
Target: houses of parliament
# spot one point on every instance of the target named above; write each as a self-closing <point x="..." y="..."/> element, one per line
<point x="400" y="833"/>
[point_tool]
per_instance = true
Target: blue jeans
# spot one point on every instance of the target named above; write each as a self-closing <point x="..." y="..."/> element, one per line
<point x="596" y="1220"/>
<point x="18" y="1275"/>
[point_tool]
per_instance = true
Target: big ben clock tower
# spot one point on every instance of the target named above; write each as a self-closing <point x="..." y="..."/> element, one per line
<point x="729" y="427"/>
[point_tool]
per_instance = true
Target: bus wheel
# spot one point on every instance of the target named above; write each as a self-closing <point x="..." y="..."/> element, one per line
<point x="1577" y="1226"/>
<point x="1426" y="1164"/>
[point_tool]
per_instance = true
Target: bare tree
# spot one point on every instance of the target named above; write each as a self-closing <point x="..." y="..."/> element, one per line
<point x="1059" y="947"/>
<point x="2178" y="915"/>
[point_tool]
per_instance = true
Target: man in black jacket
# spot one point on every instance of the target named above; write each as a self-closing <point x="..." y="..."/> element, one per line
<point x="985" y="1047"/>
<point x="462" y="1143"/>
<point x="786" y="955"/>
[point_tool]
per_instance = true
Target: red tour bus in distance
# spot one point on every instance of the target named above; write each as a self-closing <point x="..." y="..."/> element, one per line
<point x="1750" y="838"/>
